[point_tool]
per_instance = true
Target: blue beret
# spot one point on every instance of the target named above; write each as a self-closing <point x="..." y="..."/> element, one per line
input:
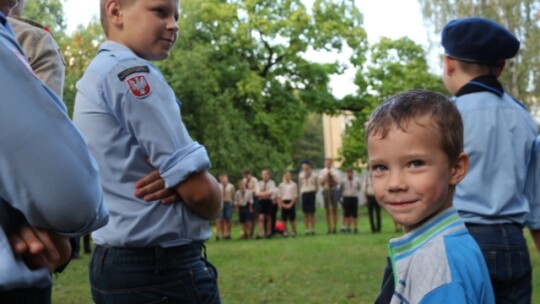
<point x="478" y="40"/>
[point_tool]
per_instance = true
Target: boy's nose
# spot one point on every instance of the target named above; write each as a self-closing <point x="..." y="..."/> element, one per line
<point x="172" y="24"/>
<point x="396" y="181"/>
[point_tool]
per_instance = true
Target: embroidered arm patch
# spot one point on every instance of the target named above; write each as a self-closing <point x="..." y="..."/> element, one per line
<point x="139" y="86"/>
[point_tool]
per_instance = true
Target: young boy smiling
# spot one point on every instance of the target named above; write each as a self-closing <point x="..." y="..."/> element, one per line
<point x="415" y="149"/>
<point x="151" y="251"/>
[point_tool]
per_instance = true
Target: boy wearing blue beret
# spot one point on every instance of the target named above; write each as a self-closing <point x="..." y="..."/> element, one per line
<point x="499" y="134"/>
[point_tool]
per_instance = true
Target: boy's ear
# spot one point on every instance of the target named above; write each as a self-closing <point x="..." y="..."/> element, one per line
<point x="450" y="65"/>
<point x="114" y="12"/>
<point x="500" y="68"/>
<point x="459" y="169"/>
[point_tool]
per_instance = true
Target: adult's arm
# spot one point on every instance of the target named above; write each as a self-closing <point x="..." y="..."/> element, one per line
<point x="47" y="172"/>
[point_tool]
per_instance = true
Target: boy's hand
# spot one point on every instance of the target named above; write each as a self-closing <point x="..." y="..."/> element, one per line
<point x="152" y="188"/>
<point x="40" y="248"/>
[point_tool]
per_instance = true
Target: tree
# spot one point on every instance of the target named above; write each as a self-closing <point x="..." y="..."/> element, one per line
<point x="309" y="146"/>
<point x="78" y="49"/>
<point x="49" y="13"/>
<point x="521" y="74"/>
<point x="241" y="74"/>
<point x="394" y="66"/>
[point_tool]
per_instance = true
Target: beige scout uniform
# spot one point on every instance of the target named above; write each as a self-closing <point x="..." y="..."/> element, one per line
<point x="330" y="194"/>
<point x="227" y="193"/>
<point x="251" y="185"/>
<point x="288" y="191"/>
<point x="42" y="51"/>
<point x="351" y="187"/>
<point x="309" y="182"/>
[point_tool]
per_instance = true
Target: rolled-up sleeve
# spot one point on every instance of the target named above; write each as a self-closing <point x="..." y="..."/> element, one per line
<point x="47" y="172"/>
<point x="532" y="188"/>
<point x="154" y="120"/>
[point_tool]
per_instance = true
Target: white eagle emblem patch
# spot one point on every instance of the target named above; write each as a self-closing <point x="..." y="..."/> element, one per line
<point x="139" y="86"/>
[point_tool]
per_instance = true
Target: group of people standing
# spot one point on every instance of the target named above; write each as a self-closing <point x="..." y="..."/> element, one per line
<point x="258" y="202"/>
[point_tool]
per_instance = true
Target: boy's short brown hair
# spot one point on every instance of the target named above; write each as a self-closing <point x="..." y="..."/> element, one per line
<point x="408" y="106"/>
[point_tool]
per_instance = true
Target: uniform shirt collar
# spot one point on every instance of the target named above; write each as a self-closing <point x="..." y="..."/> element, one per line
<point x="114" y="46"/>
<point x="485" y="83"/>
<point x="3" y="18"/>
<point x="5" y="23"/>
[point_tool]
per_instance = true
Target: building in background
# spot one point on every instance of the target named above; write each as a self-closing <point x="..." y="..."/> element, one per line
<point x="333" y="129"/>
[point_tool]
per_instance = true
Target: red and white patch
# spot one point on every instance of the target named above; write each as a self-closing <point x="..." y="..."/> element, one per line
<point x="139" y="86"/>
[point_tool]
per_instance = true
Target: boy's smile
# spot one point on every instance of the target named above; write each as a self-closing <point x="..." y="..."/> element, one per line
<point x="412" y="176"/>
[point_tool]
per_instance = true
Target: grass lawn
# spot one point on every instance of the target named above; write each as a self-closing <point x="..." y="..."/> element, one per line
<point x="306" y="269"/>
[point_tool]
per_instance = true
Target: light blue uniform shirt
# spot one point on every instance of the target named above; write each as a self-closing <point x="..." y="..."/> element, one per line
<point x="47" y="176"/>
<point x="128" y="114"/>
<point x="498" y="137"/>
<point x="532" y="190"/>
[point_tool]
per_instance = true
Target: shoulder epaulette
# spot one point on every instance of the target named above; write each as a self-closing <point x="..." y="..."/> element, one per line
<point x="33" y="23"/>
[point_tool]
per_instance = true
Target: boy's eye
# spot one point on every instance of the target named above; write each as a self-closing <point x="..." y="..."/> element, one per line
<point x="416" y="163"/>
<point x="160" y="11"/>
<point x="378" y="168"/>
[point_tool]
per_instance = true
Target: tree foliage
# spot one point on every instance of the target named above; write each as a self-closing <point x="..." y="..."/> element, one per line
<point x="310" y="145"/>
<point x="49" y="13"/>
<point x="79" y="49"/>
<point x="521" y="75"/>
<point x="394" y="66"/>
<point x="239" y="69"/>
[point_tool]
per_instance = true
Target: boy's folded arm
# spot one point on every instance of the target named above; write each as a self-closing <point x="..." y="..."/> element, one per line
<point x="201" y="193"/>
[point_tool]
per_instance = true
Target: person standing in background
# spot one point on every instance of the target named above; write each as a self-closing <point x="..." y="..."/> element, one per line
<point x="253" y="186"/>
<point x="309" y="186"/>
<point x="329" y="180"/>
<point x="266" y="196"/>
<point x="288" y="194"/>
<point x="243" y="203"/>
<point x="223" y="223"/>
<point x="351" y="187"/>
<point x="374" y="209"/>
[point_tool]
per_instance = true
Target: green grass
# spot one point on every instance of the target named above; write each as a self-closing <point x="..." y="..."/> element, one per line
<point x="315" y="269"/>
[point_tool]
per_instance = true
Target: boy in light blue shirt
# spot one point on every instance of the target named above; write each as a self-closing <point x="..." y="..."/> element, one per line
<point x="131" y="120"/>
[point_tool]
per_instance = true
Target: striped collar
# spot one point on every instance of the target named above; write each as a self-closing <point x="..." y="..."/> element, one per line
<point x="401" y="248"/>
<point x="445" y="223"/>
